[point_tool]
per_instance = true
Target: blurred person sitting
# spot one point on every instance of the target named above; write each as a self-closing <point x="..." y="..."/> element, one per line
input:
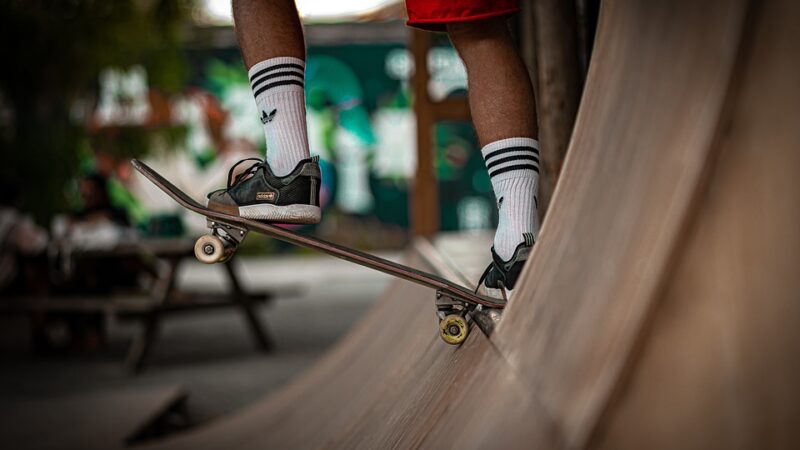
<point x="96" y="203"/>
<point x="95" y="229"/>
<point x="22" y="246"/>
<point x="84" y="251"/>
<point x="285" y="186"/>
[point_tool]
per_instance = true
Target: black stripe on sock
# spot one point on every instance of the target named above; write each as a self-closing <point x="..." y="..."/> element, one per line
<point x="277" y="84"/>
<point x="512" y="158"/>
<point x="272" y="76"/>
<point x="517" y="167"/>
<point x="276" y="67"/>
<point x="503" y="151"/>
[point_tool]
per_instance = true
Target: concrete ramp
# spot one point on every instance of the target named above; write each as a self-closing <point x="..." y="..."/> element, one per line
<point x="662" y="303"/>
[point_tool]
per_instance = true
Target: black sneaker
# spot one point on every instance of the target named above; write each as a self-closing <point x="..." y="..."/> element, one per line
<point x="499" y="279"/>
<point x="258" y="194"/>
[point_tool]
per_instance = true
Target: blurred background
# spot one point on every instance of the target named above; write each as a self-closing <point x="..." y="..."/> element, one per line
<point x="99" y="83"/>
<point x="98" y="283"/>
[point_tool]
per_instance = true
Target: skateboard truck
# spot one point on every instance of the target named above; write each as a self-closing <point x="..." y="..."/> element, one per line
<point x="452" y="314"/>
<point x="220" y="244"/>
<point x="455" y="315"/>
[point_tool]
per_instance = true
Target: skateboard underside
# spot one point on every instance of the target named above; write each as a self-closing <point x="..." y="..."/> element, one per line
<point x="455" y="304"/>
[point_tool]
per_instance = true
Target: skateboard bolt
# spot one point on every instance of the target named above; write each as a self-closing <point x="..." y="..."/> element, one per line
<point x="454" y="330"/>
<point x="208" y="249"/>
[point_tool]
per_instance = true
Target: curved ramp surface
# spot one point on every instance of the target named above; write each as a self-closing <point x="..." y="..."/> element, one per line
<point x="660" y="308"/>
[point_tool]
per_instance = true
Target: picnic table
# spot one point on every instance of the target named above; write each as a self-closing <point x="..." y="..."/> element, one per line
<point x="161" y="299"/>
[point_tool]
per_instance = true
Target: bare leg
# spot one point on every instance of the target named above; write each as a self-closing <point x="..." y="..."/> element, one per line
<point x="500" y="91"/>
<point x="504" y="114"/>
<point x="286" y="188"/>
<point x="268" y="29"/>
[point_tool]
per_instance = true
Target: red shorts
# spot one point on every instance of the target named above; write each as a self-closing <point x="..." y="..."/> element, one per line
<point x="434" y="15"/>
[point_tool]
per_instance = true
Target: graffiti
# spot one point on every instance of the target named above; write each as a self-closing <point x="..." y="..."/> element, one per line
<point x="360" y="122"/>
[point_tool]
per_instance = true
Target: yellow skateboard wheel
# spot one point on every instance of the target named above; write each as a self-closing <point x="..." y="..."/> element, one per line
<point x="453" y="329"/>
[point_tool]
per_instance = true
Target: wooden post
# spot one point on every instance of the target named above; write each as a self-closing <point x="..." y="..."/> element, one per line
<point x="551" y="27"/>
<point x="424" y="200"/>
<point x="424" y="195"/>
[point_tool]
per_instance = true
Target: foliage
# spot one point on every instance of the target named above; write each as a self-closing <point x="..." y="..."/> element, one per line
<point x="52" y="53"/>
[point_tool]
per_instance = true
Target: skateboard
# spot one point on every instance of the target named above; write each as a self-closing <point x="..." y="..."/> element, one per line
<point x="456" y="305"/>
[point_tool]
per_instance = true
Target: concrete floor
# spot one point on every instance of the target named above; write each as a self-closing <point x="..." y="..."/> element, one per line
<point x="209" y="354"/>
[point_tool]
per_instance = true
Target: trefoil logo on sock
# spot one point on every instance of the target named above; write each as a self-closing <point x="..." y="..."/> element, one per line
<point x="267" y="117"/>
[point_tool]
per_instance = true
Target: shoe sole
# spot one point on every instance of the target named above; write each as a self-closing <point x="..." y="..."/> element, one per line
<point x="299" y="214"/>
<point x="494" y="292"/>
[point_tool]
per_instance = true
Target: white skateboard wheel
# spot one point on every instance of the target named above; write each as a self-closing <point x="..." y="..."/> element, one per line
<point x="209" y="249"/>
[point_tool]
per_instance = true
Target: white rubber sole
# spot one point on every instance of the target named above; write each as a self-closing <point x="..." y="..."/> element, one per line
<point x="495" y="293"/>
<point x="302" y="214"/>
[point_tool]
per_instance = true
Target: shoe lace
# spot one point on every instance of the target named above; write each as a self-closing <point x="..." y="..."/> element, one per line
<point x="483" y="277"/>
<point x="245" y="174"/>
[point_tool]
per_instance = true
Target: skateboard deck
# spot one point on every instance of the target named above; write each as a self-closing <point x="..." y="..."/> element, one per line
<point x="228" y="231"/>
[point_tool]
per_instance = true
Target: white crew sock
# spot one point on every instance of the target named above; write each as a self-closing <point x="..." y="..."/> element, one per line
<point x="513" y="166"/>
<point x="277" y="85"/>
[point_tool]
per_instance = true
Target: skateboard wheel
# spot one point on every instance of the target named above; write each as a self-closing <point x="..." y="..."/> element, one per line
<point x="210" y="249"/>
<point x="453" y="329"/>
